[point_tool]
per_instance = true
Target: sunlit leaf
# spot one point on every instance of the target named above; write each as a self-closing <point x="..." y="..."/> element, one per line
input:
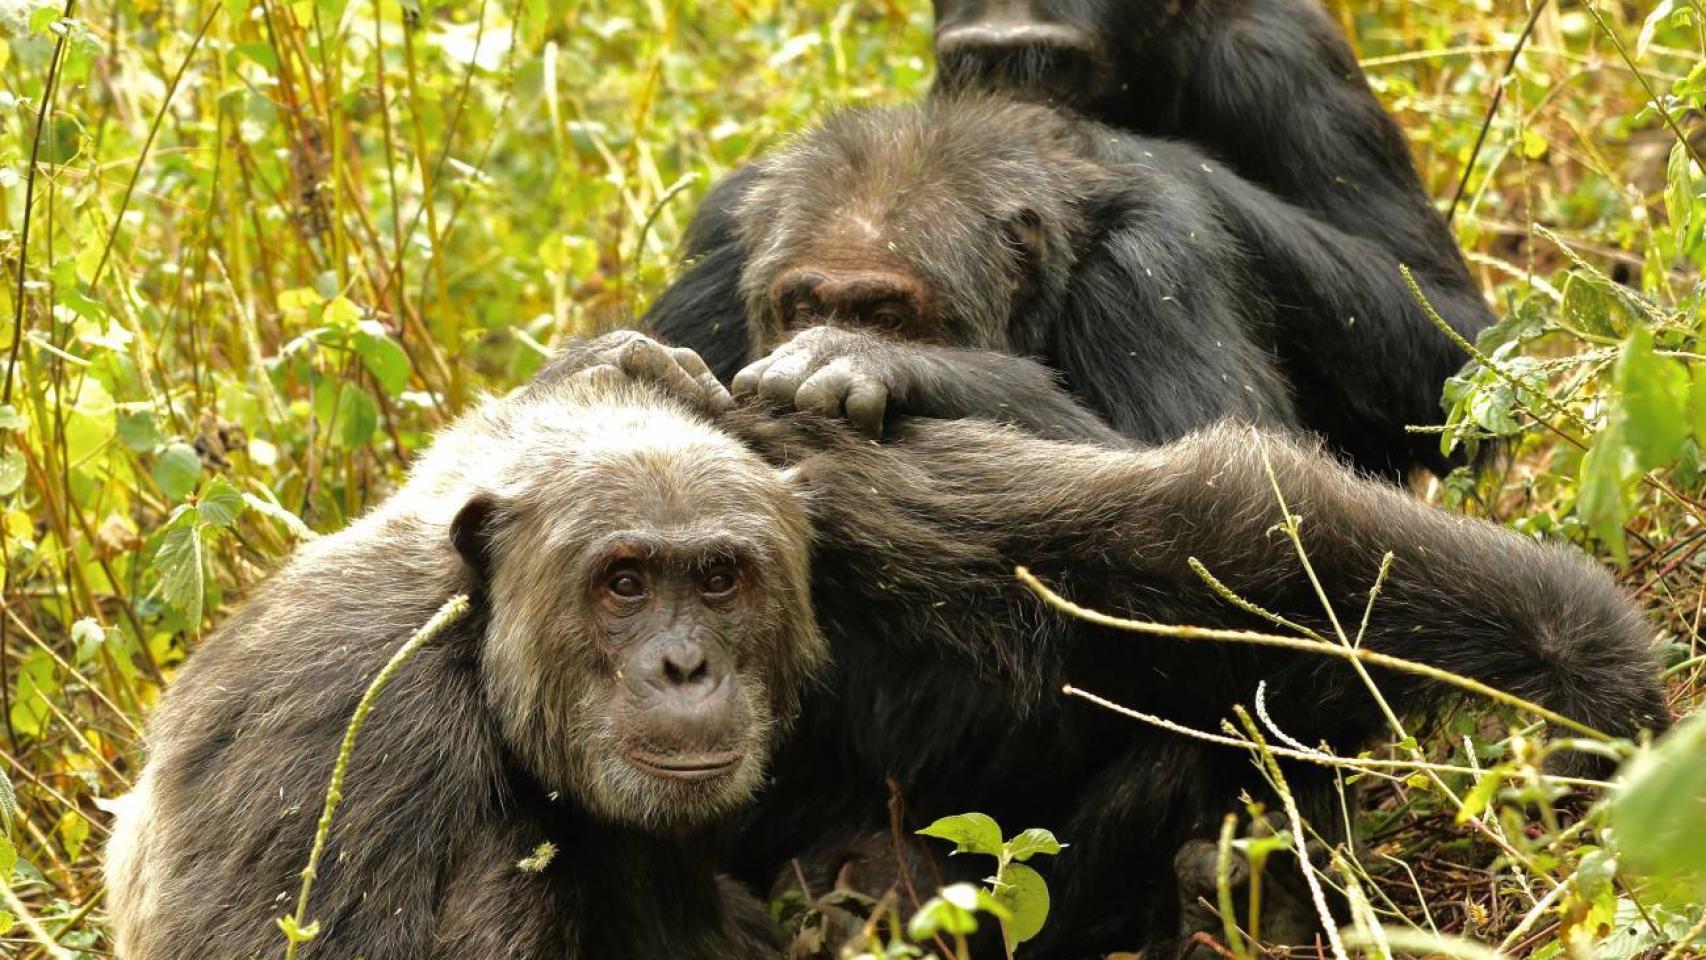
<point x="968" y="832"/>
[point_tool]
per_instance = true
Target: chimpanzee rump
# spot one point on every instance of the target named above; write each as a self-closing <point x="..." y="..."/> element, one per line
<point x="1167" y="292"/>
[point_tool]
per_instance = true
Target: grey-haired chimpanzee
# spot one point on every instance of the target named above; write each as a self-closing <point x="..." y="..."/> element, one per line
<point x="537" y="783"/>
<point x="1164" y="289"/>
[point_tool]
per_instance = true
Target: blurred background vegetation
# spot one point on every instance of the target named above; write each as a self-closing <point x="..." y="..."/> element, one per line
<point x="254" y="254"/>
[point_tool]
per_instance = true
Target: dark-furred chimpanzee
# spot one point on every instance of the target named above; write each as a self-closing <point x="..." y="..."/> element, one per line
<point x="1165" y="290"/>
<point x="537" y="783"/>
<point x="946" y="675"/>
<point x="1267" y="86"/>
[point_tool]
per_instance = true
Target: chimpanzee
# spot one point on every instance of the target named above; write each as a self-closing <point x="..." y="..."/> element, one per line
<point x="1164" y="289"/>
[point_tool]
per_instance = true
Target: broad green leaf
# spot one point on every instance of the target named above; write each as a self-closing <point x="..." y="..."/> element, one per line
<point x="138" y="431"/>
<point x="357" y="417"/>
<point x="8" y="860"/>
<point x="1659" y="816"/>
<point x="87" y="637"/>
<point x="1591" y="309"/>
<point x="968" y="832"/>
<point x="220" y="503"/>
<point x="11" y="419"/>
<point x="1031" y="842"/>
<point x="8" y="805"/>
<point x="382" y="356"/>
<point x="177" y="470"/>
<point x="34" y="681"/>
<point x="1653" y="401"/>
<point x="1025" y="895"/>
<point x="339" y="312"/>
<point x="179" y="565"/>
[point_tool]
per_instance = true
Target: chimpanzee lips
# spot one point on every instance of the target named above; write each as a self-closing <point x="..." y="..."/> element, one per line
<point x="686" y="766"/>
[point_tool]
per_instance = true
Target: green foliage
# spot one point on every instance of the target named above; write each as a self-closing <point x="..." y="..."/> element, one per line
<point x="266" y="261"/>
<point x="1017" y="895"/>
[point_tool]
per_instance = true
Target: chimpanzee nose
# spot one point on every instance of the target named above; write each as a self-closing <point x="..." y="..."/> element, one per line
<point x="685" y="666"/>
<point x="882" y="299"/>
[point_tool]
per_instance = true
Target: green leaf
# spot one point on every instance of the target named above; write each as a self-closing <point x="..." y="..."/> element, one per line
<point x="1025" y="895"/>
<point x="382" y="356"/>
<point x="1032" y="842"/>
<point x="953" y="911"/>
<point x="276" y="511"/>
<point x="1480" y="796"/>
<point x="11" y="419"/>
<point x="357" y="417"/>
<point x="8" y="805"/>
<point x="339" y="312"/>
<point x="1653" y="405"/>
<point x="220" y="503"/>
<point x="12" y="472"/>
<point x="1591" y="309"/>
<point x="1601" y="494"/>
<point x="178" y="562"/>
<point x="73" y="832"/>
<point x="138" y="431"/>
<point x="8" y="860"/>
<point x="177" y="470"/>
<point x="968" y="832"/>
<point x="33" y="683"/>
<point x="1659" y="816"/>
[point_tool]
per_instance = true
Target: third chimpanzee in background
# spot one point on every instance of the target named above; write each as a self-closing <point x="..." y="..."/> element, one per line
<point x="1269" y="86"/>
<point x="1169" y="293"/>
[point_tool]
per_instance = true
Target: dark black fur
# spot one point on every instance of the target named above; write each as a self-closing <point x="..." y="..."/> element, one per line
<point x="947" y="672"/>
<point x="1168" y="292"/>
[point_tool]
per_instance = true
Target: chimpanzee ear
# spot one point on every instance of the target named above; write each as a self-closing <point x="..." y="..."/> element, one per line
<point x="474" y="529"/>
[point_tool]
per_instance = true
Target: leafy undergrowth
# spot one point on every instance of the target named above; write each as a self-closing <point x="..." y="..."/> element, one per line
<point x="256" y="254"/>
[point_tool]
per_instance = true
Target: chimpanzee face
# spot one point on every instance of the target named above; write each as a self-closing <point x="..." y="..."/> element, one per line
<point x="935" y="225"/>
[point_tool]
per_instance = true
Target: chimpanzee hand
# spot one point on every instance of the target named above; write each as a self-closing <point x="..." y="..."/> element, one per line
<point x="833" y="372"/>
<point x="838" y="372"/>
<point x="629" y="354"/>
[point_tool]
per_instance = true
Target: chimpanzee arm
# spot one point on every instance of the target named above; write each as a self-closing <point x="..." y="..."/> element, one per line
<point x="703" y="309"/>
<point x="1161" y="331"/>
<point x="945" y="510"/>
<point x="834" y="372"/>
<point x="1275" y="88"/>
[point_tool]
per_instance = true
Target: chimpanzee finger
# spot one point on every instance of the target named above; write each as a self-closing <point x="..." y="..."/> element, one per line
<point x="653" y="361"/>
<point x="689" y="360"/>
<point x="823" y="391"/>
<point x="602" y="377"/>
<point x="787" y="371"/>
<point x="867" y="402"/>
<point x="750" y="376"/>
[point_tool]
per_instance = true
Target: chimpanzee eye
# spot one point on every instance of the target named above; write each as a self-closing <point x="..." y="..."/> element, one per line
<point x="626" y="585"/>
<point x="719" y="581"/>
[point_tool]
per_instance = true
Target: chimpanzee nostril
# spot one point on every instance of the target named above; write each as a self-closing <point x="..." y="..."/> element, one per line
<point x="686" y="666"/>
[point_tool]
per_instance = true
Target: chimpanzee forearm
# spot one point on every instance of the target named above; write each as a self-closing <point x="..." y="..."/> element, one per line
<point x="1114" y="530"/>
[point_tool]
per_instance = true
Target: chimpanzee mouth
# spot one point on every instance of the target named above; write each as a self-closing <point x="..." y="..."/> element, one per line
<point x="689" y="766"/>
